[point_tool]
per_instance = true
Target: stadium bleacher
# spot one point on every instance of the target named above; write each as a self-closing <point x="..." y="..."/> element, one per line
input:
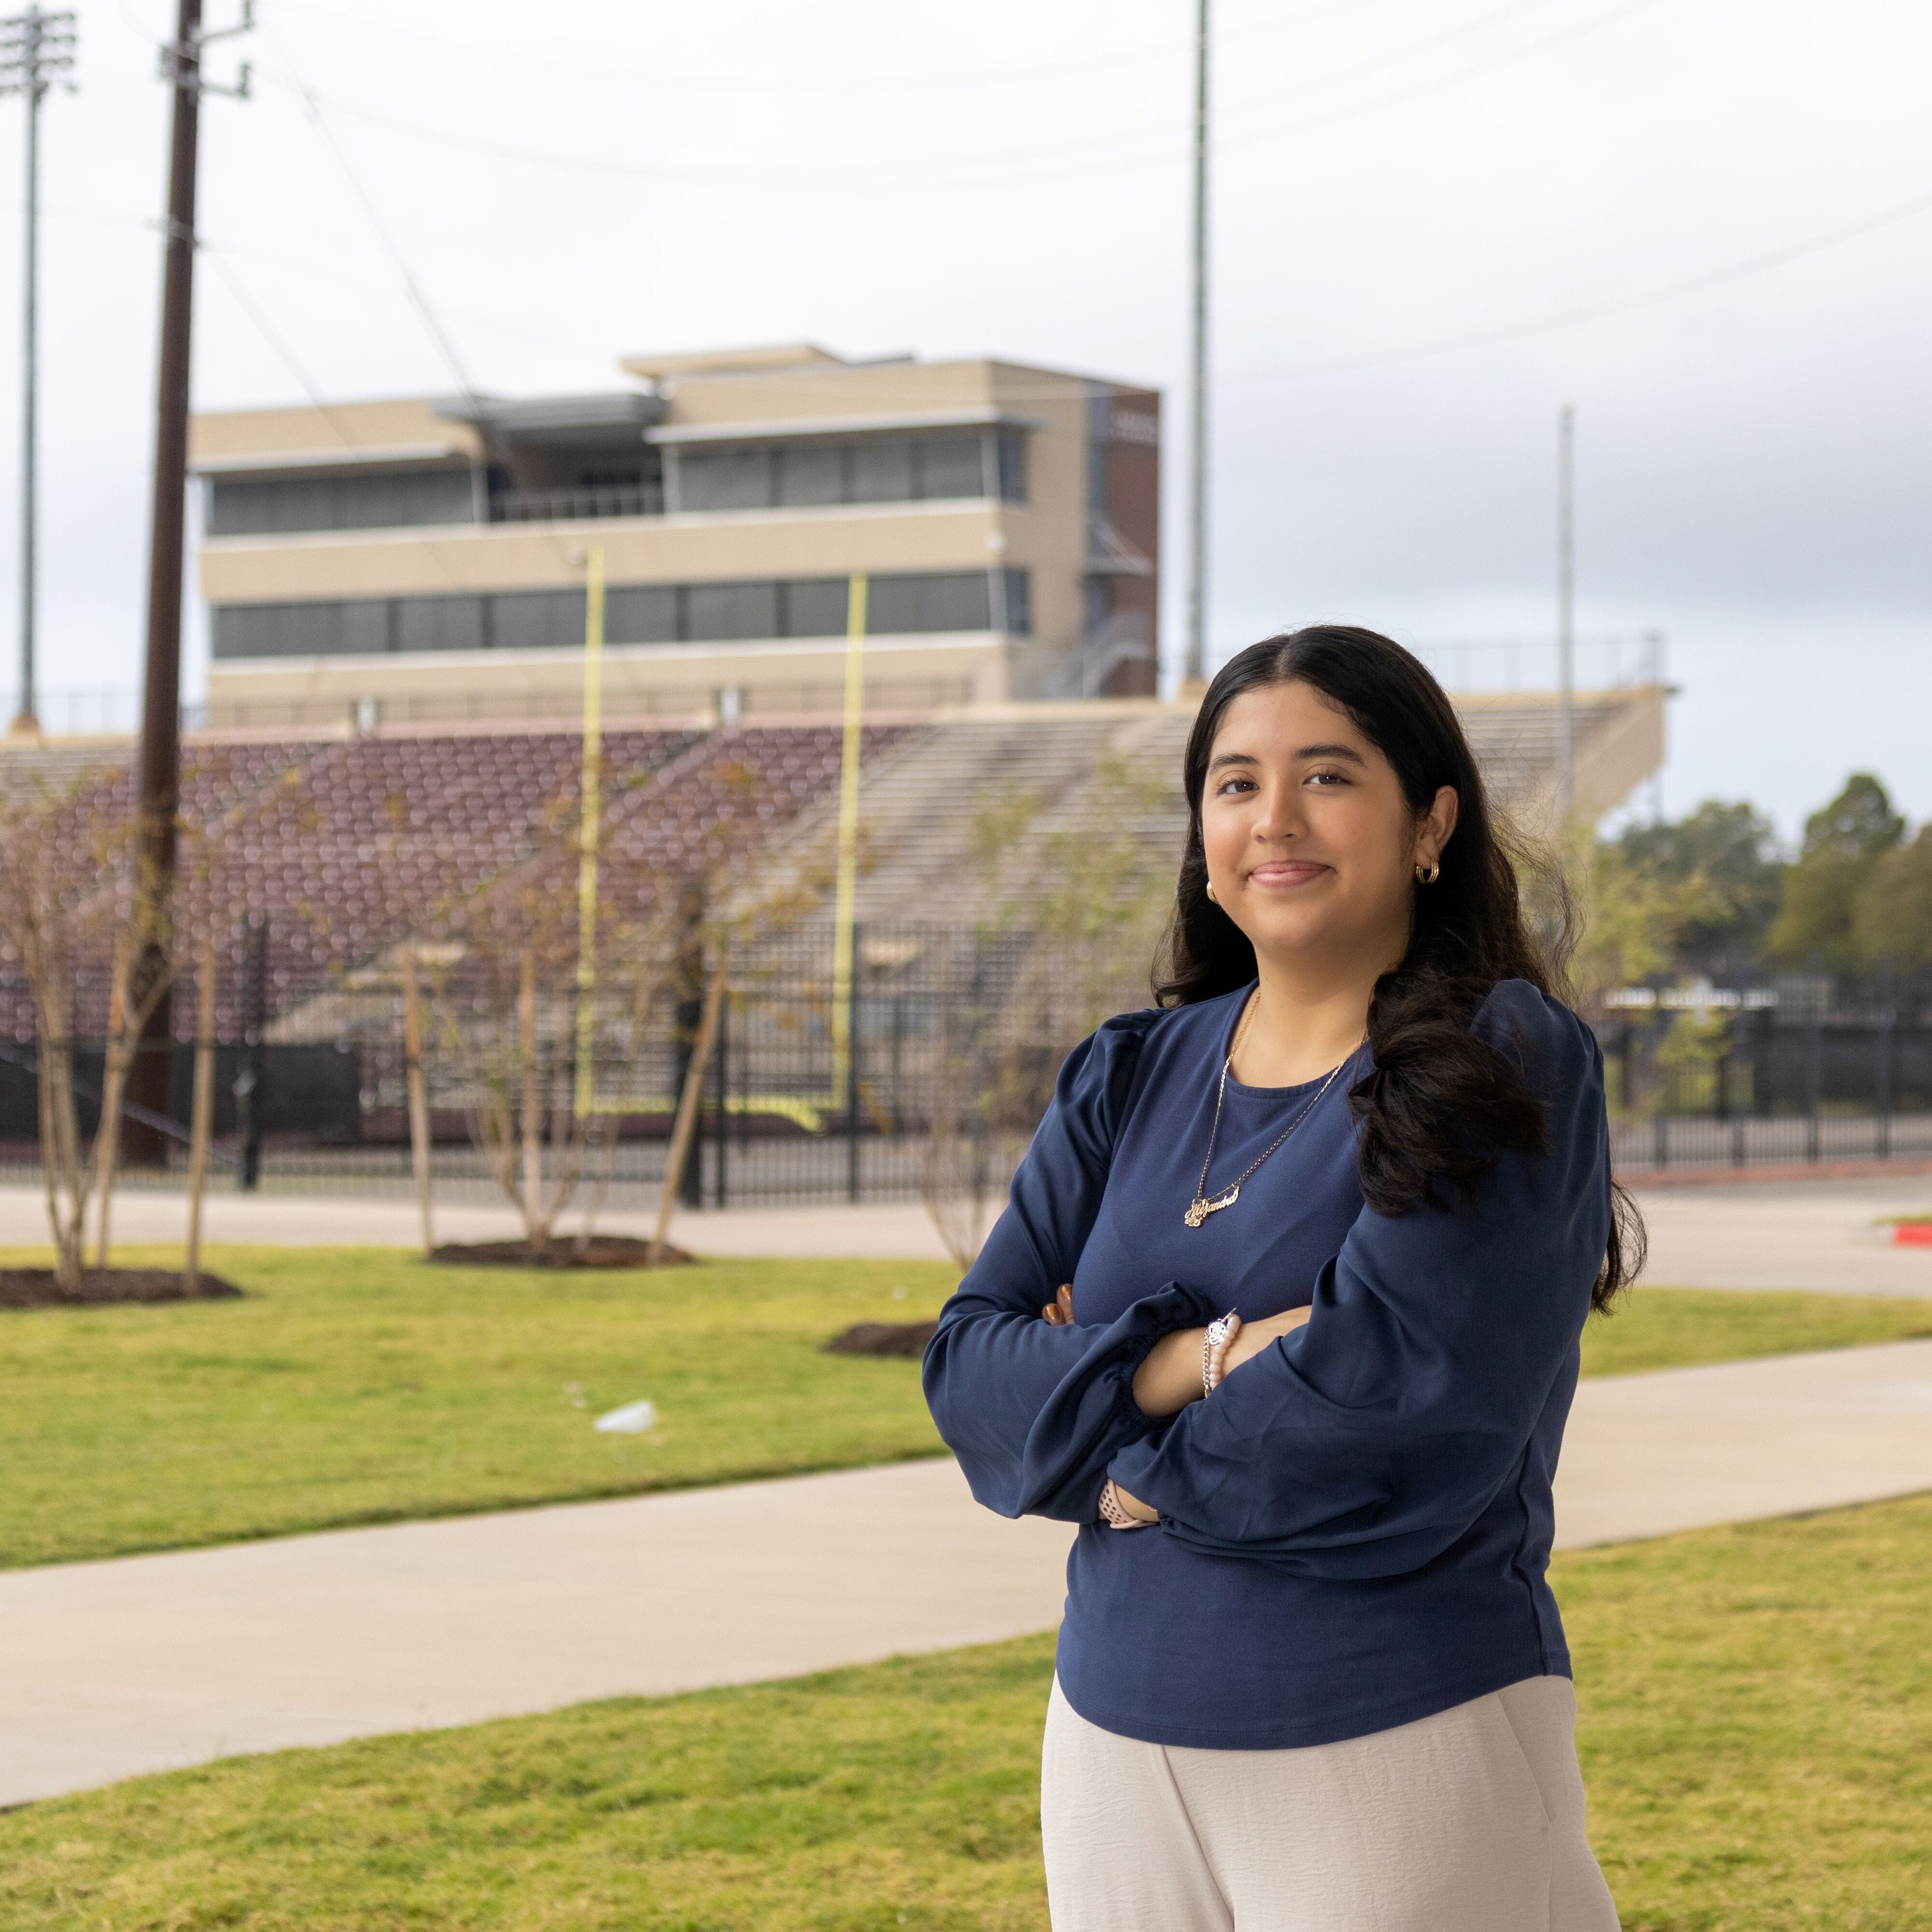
<point x="348" y="844"/>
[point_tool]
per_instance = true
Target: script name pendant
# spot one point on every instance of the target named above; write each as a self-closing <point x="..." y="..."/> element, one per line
<point x="1201" y="1209"/>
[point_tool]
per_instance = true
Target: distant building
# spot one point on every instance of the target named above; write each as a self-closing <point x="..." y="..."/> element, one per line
<point x="423" y="560"/>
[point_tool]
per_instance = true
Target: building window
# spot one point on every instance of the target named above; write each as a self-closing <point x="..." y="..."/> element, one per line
<point x="941" y="601"/>
<point x="949" y="465"/>
<point x="355" y="628"/>
<point x="440" y="623"/>
<point x="1010" y="449"/>
<point x="723" y="612"/>
<point x="1019" y="603"/>
<point x="726" y="479"/>
<point x="535" y="620"/>
<point x="882" y="471"/>
<point x="961" y="465"/>
<point x="814" y="472"/>
<point x="815" y="606"/>
<point x="641" y="613"/>
<point x="636" y="613"/>
<point x="285" y="505"/>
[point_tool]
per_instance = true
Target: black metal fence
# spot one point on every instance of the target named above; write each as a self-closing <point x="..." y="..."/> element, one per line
<point x="923" y="1069"/>
<point x="1803" y="1071"/>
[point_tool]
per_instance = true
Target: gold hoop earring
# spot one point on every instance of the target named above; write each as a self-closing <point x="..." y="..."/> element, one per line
<point x="1211" y="899"/>
<point x="1428" y="875"/>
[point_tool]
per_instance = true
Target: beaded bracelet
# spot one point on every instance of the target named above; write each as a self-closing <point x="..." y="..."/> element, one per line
<point x="1214" y="1344"/>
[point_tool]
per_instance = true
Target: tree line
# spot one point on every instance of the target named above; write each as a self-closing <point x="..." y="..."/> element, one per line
<point x="1712" y="894"/>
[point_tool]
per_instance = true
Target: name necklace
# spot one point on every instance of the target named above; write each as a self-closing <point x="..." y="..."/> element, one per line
<point x="1201" y="1207"/>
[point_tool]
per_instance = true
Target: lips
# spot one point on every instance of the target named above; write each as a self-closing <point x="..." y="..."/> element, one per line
<point x="1281" y="874"/>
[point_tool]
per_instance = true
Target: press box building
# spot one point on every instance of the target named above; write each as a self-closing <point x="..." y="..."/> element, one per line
<point x="424" y="560"/>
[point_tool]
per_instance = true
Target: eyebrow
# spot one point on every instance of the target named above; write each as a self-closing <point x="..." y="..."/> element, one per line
<point x="1348" y="751"/>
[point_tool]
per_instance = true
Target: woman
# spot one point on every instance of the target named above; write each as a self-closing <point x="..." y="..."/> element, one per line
<point x="1333" y="1218"/>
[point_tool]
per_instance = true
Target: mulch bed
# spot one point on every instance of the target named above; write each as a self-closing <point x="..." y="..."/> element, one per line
<point x="100" y="1287"/>
<point x="883" y="1338"/>
<point x="606" y="1251"/>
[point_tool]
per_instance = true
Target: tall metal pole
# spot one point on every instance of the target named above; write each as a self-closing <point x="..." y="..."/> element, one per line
<point x="157" y="783"/>
<point x="1566" y="634"/>
<point x="1195" y="671"/>
<point x="28" y="719"/>
<point x="36" y="47"/>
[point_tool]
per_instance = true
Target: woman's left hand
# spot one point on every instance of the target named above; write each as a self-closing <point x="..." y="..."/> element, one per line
<point x="1251" y="1337"/>
<point x="1135" y="1506"/>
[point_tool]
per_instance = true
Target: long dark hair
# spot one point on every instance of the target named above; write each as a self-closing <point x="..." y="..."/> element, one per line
<point x="1440" y="1104"/>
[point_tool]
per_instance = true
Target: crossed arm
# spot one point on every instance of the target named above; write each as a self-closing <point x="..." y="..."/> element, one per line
<point x="1171" y="1377"/>
<point x="1359" y="1443"/>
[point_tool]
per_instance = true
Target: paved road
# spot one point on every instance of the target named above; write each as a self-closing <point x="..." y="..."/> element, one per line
<point x="1814" y="1234"/>
<point x="110" y="1669"/>
<point x="1811" y="1234"/>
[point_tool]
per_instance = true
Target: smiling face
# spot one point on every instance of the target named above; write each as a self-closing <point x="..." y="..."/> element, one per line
<point x="1312" y="848"/>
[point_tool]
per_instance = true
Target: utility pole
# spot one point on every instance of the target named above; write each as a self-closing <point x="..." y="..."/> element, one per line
<point x="35" y="50"/>
<point x="158" y="771"/>
<point x="1566" y="617"/>
<point x="1194" y="673"/>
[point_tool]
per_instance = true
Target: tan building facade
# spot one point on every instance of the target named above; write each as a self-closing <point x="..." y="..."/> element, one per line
<point x="426" y="559"/>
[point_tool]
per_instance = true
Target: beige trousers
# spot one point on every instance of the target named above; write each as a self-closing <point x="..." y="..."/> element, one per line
<point x="1469" y="1821"/>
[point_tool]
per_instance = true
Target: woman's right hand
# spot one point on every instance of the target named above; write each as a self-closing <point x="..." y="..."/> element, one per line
<point x="1253" y="1336"/>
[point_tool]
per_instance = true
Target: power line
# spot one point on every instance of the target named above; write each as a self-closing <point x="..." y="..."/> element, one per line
<point x="445" y="347"/>
<point x="1754" y="265"/>
<point x="898" y="179"/>
<point x="275" y="339"/>
<point x="670" y="80"/>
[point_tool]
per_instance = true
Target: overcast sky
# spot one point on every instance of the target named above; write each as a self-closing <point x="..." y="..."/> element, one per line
<point x="1414" y="199"/>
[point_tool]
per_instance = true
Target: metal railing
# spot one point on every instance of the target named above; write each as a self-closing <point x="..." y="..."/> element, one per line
<point x="569" y="504"/>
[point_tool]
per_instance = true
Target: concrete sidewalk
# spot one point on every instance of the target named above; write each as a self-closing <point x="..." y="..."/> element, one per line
<point x="1814" y="1235"/>
<point x="110" y="1669"/>
<point x="887" y="1231"/>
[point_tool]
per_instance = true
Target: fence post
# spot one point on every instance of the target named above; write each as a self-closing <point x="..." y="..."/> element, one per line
<point x="1881" y="1073"/>
<point x="852" y="1070"/>
<point x="688" y="977"/>
<point x="1814" y="1079"/>
<point x="249" y="1106"/>
<point x="721" y="1085"/>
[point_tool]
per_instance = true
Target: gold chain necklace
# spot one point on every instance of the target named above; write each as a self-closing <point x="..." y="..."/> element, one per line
<point x="1201" y="1207"/>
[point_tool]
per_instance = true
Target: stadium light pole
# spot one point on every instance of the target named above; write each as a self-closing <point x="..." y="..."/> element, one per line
<point x="1566" y="614"/>
<point x="158" y="781"/>
<point x="35" y="50"/>
<point x="1194" y="673"/>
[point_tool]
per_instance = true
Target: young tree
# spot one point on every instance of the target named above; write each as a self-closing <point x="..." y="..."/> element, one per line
<point x="72" y="891"/>
<point x="1088" y="899"/>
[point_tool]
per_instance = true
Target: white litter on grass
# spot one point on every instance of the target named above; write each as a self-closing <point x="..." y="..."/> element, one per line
<point x="633" y="1419"/>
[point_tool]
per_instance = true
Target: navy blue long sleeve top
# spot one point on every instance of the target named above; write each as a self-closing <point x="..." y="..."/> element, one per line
<point x="1354" y="1528"/>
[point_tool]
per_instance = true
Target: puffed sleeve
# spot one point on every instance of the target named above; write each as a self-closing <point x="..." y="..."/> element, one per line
<point x="1033" y="1412"/>
<point x="1366" y="1443"/>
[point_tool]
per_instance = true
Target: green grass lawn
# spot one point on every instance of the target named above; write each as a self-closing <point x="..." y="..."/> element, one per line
<point x="1756" y="1733"/>
<point x="1674" y="1327"/>
<point x="360" y="1385"/>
